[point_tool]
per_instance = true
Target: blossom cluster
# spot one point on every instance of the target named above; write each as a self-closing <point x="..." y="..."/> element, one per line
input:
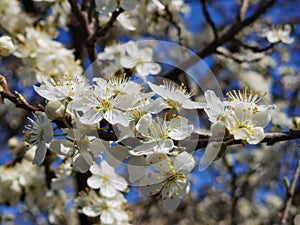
<point x="123" y="121"/>
<point x="240" y="116"/>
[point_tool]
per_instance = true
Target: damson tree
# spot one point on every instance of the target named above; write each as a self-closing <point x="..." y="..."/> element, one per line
<point x="149" y="112"/>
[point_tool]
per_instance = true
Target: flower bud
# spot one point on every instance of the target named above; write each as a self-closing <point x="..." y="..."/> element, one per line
<point x="6" y="46"/>
<point x="54" y="110"/>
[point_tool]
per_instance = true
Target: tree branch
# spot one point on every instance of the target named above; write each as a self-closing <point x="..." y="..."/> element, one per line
<point x="290" y="194"/>
<point x="209" y="20"/>
<point x="270" y="138"/>
<point x="235" y="28"/>
<point x="16" y="98"/>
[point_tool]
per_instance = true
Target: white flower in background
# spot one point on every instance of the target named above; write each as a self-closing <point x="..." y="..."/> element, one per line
<point x="245" y="123"/>
<point x="6" y="46"/>
<point x="10" y="188"/>
<point x="42" y="56"/>
<point x="176" y="96"/>
<point x="107" y="6"/>
<point x="126" y="21"/>
<point x="105" y="178"/>
<point x="39" y="133"/>
<point x="110" y="210"/>
<point x="280" y="34"/>
<point x="159" y="134"/>
<point x="170" y="182"/>
<point x="141" y="59"/>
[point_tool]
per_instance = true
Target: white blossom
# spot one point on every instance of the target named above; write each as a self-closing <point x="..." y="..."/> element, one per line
<point x="280" y="34"/>
<point x="6" y="46"/>
<point x="170" y="182"/>
<point x="110" y="210"/>
<point x="141" y="59"/>
<point x="39" y="133"/>
<point x="176" y="96"/>
<point x="105" y="178"/>
<point x="159" y="134"/>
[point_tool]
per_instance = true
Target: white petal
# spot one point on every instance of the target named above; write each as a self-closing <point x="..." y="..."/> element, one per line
<point x="108" y="191"/>
<point x="95" y="169"/>
<point x="116" y="117"/>
<point x="91" y="211"/>
<point x="262" y="119"/>
<point x="188" y="104"/>
<point x="62" y="147"/>
<point x="257" y="137"/>
<point x="184" y="163"/>
<point x="144" y="123"/>
<point x="143" y="149"/>
<point x="160" y="162"/>
<point x="128" y="62"/>
<point x="91" y="117"/>
<point x="210" y="154"/>
<point x="95" y="182"/>
<point x="272" y="36"/>
<point x="136" y="168"/>
<point x="127" y="22"/>
<point x="182" y="132"/>
<point x="164" y="147"/>
<point x="116" y="155"/>
<point x="218" y="129"/>
<point x="128" y="5"/>
<point x="241" y="134"/>
<point x="107" y="217"/>
<point x="82" y="162"/>
<point x="149" y="185"/>
<point x="119" y="183"/>
<point x="40" y="153"/>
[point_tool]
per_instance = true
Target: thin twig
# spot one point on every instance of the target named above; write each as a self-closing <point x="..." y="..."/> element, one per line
<point x="243" y="9"/>
<point x="235" y="28"/>
<point x="237" y="59"/>
<point x="270" y="138"/>
<point x="233" y="184"/>
<point x="16" y="98"/>
<point x="290" y="194"/>
<point x="209" y="20"/>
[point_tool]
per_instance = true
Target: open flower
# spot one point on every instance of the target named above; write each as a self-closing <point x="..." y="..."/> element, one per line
<point x="82" y="150"/>
<point x="280" y="34"/>
<point x="140" y="59"/>
<point x="176" y="96"/>
<point x="160" y="134"/>
<point x="105" y="101"/>
<point x="6" y="46"/>
<point x="170" y="182"/>
<point x="248" y="96"/>
<point x="110" y="210"/>
<point x="39" y="133"/>
<point x="105" y="178"/>
<point x="247" y="124"/>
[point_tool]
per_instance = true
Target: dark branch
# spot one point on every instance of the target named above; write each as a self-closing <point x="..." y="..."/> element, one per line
<point x="16" y="98"/>
<point x="209" y="20"/>
<point x="270" y="138"/>
<point x="290" y="194"/>
<point x="243" y="9"/>
<point x="236" y="27"/>
<point x="102" y="32"/>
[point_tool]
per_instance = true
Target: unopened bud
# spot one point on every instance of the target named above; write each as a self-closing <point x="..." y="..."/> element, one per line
<point x="6" y="46"/>
<point x="55" y="110"/>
